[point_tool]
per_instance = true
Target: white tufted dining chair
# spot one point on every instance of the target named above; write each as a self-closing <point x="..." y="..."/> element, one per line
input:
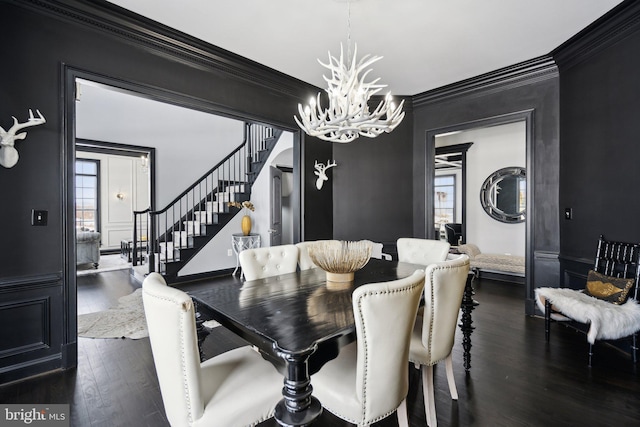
<point x="422" y="251"/>
<point x="304" y="260"/>
<point x="376" y="251"/>
<point x="434" y="332"/>
<point x="368" y="380"/>
<point x="259" y="263"/>
<point x="236" y="388"/>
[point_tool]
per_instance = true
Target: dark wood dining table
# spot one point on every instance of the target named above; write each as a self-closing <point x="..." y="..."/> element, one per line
<point x="299" y="321"/>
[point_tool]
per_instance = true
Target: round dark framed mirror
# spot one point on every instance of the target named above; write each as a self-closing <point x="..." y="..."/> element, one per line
<point x="504" y="194"/>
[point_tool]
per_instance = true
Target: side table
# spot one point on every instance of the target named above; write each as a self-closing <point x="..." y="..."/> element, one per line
<point x="240" y="242"/>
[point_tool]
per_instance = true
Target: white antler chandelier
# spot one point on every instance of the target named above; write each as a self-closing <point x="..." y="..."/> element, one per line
<point x="347" y="117"/>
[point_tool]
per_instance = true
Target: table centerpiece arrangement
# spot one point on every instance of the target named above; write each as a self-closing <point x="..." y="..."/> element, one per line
<point x="340" y="259"/>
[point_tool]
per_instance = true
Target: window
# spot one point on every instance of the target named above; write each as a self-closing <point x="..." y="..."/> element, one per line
<point x="445" y="199"/>
<point x="87" y="190"/>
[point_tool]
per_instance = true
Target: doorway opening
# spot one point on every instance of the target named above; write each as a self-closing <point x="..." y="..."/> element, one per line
<point x="526" y="119"/>
<point x="172" y="156"/>
<point x="493" y="148"/>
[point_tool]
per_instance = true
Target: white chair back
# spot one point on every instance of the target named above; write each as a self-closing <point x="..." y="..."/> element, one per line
<point x="172" y="332"/>
<point x="384" y="316"/>
<point x="259" y="263"/>
<point x="422" y="251"/>
<point x="304" y="260"/>
<point x="376" y="251"/>
<point x="444" y="288"/>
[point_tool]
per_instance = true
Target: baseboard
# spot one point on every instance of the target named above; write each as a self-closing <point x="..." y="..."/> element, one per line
<point x="29" y="369"/>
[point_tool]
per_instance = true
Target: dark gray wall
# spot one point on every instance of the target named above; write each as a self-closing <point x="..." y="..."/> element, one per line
<point x="599" y="128"/>
<point x="317" y="204"/>
<point x="45" y="39"/>
<point x="373" y="186"/>
<point x="600" y="149"/>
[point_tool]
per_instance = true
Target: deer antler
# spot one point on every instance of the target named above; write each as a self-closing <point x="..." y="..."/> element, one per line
<point x="322" y="168"/>
<point x="8" y="154"/>
<point x="9" y="137"/>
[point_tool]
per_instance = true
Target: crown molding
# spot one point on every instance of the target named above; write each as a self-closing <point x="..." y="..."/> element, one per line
<point x="617" y="24"/>
<point x="523" y="73"/>
<point x="139" y="30"/>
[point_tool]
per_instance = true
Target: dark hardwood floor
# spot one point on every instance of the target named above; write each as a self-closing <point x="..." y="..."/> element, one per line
<point x="516" y="379"/>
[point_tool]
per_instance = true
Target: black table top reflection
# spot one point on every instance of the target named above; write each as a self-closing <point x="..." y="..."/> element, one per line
<point x="296" y="311"/>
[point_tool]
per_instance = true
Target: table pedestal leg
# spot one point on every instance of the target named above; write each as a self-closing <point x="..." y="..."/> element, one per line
<point x="297" y="407"/>
<point x="468" y="304"/>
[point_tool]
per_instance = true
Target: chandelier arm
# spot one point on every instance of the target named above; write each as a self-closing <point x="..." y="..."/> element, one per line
<point x="372" y="84"/>
<point x="367" y="60"/>
<point x="381" y="109"/>
<point x="303" y="126"/>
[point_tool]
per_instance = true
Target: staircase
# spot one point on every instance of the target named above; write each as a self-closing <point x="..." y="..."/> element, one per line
<point x="179" y="231"/>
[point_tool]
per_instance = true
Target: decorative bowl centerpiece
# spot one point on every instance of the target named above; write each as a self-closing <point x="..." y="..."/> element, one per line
<point x="340" y="259"/>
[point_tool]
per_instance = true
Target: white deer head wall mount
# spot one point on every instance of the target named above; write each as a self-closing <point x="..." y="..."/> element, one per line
<point x="321" y="172"/>
<point x="8" y="154"/>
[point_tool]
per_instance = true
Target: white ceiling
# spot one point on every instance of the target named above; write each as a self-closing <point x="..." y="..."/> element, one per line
<point x="425" y="43"/>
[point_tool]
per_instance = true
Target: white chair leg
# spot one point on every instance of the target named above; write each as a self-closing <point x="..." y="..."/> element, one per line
<point x="429" y="396"/>
<point x="401" y="412"/>
<point x="452" y="383"/>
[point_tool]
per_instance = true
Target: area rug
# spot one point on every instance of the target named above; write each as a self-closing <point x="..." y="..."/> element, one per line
<point x="124" y="321"/>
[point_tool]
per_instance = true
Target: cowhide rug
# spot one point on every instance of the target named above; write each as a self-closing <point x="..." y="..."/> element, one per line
<point x="124" y="321"/>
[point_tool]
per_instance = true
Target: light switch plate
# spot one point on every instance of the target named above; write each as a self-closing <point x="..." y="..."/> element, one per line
<point x="568" y="213"/>
<point x="39" y="217"/>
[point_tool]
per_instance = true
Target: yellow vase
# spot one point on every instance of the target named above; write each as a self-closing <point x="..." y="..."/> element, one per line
<point x="246" y="225"/>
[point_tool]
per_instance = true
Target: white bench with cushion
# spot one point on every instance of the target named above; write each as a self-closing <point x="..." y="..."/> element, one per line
<point x="493" y="263"/>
